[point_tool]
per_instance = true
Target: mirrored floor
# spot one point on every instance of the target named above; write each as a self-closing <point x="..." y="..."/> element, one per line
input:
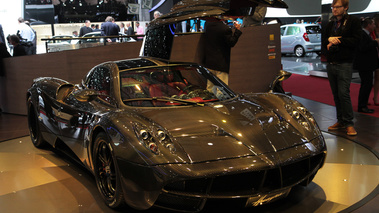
<point x="35" y="180"/>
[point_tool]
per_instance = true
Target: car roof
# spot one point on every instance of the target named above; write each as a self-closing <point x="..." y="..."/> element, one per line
<point x="144" y="62"/>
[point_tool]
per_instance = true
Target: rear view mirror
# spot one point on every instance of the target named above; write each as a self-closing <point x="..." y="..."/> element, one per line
<point x="281" y="76"/>
<point x="86" y="95"/>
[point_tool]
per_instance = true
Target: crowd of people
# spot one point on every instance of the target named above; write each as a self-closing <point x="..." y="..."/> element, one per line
<point x="24" y="42"/>
<point x="110" y="28"/>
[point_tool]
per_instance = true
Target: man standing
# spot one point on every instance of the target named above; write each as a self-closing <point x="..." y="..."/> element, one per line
<point x="340" y="40"/>
<point x="109" y="28"/>
<point x="140" y="31"/>
<point x="25" y="31"/>
<point x="129" y="29"/>
<point x="85" y="29"/>
<point x="28" y="37"/>
<point x="366" y="62"/>
<point x="219" y="39"/>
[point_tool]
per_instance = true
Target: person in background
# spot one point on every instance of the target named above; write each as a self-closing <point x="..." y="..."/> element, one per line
<point x="3" y="54"/>
<point x="34" y="48"/>
<point x="25" y="31"/>
<point x="366" y="62"/>
<point x="129" y="29"/>
<point x="18" y="49"/>
<point x="86" y="28"/>
<point x="140" y="31"/>
<point x="376" y="78"/>
<point x="219" y="39"/>
<point x="2" y="38"/>
<point x="157" y="14"/>
<point x="109" y="28"/>
<point x="122" y="28"/>
<point x="340" y="40"/>
<point x="27" y="37"/>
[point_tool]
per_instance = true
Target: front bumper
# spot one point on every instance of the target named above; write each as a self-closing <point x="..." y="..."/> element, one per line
<point x="253" y="179"/>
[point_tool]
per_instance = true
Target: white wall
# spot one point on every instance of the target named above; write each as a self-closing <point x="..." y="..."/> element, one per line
<point x="10" y="11"/>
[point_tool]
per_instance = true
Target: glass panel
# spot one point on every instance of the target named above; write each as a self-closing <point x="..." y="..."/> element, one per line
<point x="171" y="86"/>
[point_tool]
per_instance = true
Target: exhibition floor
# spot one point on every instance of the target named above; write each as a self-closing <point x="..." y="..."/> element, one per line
<point x="35" y="180"/>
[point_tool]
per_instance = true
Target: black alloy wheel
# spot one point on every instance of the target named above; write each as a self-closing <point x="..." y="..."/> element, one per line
<point x="106" y="172"/>
<point x="34" y="128"/>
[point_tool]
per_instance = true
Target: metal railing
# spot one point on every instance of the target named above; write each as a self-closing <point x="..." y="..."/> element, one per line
<point x="85" y="42"/>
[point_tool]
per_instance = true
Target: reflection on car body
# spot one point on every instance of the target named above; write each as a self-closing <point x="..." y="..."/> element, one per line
<point x="300" y="38"/>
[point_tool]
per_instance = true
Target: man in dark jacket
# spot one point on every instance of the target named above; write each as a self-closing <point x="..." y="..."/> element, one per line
<point x="18" y="49"/>
<point x="340" y="40"/>
<point x="220" y="38"/>
<point x="109" y="28"/>
<point x="129" y="29"/>
<point x="85" y="29"/>
<point x="366" y="62"/>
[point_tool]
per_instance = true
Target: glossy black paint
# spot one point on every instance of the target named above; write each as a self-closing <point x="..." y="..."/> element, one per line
<point x="260" y="145"/>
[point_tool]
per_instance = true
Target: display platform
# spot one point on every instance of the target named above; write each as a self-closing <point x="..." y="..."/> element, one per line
<point x="37" y="180"/>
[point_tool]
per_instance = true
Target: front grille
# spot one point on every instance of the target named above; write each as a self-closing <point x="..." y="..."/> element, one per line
<point x="249" y="183"/>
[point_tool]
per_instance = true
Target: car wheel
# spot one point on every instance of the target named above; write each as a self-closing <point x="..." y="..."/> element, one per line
<point x="106" y="172"/>
<point x="299" y="51"/>
<point x="34" y="128"/>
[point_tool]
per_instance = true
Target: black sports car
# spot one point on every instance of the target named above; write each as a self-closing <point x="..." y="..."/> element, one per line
<point x="172" y="135"/>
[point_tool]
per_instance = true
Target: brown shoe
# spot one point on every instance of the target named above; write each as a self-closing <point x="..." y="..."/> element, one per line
<point x="351" y="131"/>
<point x="336" y="126"/>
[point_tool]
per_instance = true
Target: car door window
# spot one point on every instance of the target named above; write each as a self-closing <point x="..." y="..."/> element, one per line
<point x="292" y="30"/>
<point x="282" y="29"/>
<point x="100" y="80"/>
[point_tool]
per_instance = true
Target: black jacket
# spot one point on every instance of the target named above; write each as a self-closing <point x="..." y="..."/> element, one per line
<point x="19" y="50"/>
<point x="219" y="40"/>
<point x="129" y="31"/>
<point x="109" y="29"/>
<point x="84" y="30"/>
<point x="367" y="55"/>
<point x="350" y="32"/>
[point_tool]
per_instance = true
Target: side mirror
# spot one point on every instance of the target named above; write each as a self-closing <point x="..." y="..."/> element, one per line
<point x="281" y="76"/>
<point x="86" y="95"/>
<point x="64" y="91"/>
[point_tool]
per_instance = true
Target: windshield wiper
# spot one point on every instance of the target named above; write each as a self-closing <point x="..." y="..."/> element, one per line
<point x="164" y="99"/>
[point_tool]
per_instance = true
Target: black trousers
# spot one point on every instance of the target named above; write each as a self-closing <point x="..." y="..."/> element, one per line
<point x="366" y="86"/>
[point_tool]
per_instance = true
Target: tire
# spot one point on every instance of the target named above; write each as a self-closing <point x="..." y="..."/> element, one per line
<point x="34" y="126"/>
<point x="106" y="172"/>
<point x="299" y="51"/>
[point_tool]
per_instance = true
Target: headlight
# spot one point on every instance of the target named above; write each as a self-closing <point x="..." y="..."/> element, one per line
<point x="150" y="137"/>
<point x="301" y="115"/>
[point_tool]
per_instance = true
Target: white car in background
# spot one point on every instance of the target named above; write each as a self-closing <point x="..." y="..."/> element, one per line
<point x="300" y="39"/>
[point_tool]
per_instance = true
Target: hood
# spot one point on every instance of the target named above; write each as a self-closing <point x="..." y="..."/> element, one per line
<point x="190" y="9"/>
<point x="232" y="129"/>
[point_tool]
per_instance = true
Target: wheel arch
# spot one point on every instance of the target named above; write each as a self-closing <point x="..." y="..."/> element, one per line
<point x="95" y="132"/>
<point x="299" y="45"/>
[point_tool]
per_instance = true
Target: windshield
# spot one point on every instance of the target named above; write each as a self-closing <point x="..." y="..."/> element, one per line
<point x="171" y="86"/>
